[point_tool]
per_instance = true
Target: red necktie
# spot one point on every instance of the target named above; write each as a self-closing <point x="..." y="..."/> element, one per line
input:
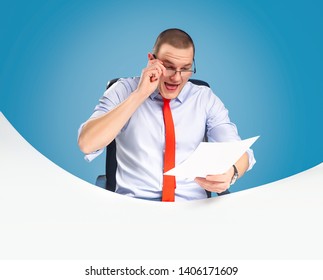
<point x="169" y="182"/>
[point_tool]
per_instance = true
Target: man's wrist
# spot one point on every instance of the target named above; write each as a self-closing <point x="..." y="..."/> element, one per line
<point x="235" y="175"/>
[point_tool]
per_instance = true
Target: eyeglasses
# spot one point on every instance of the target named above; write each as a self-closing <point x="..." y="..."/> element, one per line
<point x="184" y="72"/>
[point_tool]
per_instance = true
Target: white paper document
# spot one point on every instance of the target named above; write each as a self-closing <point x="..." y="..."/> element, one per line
<point x="212" y="158"/>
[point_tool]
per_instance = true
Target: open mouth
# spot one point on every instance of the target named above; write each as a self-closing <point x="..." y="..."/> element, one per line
<point x="171" y="87"/>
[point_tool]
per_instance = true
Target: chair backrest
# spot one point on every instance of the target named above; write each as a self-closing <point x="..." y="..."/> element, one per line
<point x="111" y="161"/>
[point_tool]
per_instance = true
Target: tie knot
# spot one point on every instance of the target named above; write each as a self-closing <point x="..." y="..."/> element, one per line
<point x="166" y="101"/>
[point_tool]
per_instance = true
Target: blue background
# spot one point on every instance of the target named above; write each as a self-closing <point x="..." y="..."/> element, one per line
<point x="262" y="58"/>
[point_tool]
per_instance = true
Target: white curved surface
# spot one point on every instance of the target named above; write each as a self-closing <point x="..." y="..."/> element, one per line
<point x="47" y="213"/>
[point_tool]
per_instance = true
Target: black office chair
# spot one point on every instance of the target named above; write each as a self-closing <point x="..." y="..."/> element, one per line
<point x="108" y="181"/>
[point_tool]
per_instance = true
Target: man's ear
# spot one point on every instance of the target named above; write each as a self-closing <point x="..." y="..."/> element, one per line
<point x="151" y="56"/>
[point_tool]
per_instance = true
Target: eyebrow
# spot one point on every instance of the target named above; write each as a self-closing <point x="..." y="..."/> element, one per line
<point x="169" y="62"/>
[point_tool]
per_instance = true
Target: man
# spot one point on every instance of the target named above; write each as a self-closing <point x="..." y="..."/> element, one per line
<point x="132" y="112"/>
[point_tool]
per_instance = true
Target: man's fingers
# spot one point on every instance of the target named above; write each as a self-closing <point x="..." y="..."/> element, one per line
<point x="212" y="186"/>
<point x="153" y="74"/>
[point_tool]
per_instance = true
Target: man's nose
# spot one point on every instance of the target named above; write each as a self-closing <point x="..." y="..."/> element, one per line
<point x="177" y="76"/>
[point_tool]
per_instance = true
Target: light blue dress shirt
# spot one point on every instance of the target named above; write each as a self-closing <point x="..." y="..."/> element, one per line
<point x="197" y="112"/>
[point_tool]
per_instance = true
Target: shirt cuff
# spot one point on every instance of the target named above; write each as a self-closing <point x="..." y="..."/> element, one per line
<point x="93" y="155"/>
<point x="252" y="159"/>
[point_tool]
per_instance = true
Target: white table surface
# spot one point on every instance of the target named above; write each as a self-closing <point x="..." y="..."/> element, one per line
<point x="48" y="213"/>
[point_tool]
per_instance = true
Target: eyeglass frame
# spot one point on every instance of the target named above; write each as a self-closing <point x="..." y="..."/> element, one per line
<point x="180" y="71"/>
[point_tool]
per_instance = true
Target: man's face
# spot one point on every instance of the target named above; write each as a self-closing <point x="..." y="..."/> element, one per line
<point x="176" y="59"/>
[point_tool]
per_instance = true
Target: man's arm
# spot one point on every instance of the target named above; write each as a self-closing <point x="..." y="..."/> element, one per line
<point x="99" y="132"/>
<point x="220" y="183"/>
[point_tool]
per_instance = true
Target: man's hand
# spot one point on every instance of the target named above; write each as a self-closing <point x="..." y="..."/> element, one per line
<point x="216" y="183"/>
<point x="150" y="75"/>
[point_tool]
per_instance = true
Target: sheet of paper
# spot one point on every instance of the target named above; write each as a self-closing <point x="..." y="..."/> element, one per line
<point x="212" y="158"/>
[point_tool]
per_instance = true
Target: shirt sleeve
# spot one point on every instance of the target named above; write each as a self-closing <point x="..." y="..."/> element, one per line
<point x="220" y="128"/>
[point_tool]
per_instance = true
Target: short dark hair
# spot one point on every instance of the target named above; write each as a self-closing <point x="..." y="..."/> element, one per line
<point x="174" y="37"/>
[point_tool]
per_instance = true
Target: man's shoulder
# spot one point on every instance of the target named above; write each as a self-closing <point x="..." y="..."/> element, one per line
<point x="130" y="83"/>
<point x="201" y="89"/>
<point x="121" y="88"/>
